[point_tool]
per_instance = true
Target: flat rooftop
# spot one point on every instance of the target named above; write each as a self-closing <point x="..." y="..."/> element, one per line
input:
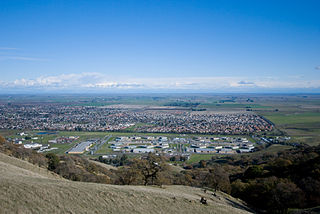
<point x="81" y="147"/>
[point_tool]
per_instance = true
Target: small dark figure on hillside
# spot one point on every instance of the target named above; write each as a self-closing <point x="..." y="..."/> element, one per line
<point x="203" y="200"/>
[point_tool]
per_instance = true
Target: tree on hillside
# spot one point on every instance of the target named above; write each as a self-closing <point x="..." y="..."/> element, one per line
<point x="202" y="164"/>
<point x="53" y="161"/>
<point x="273" y="194"/>
<point x="218" y="179"/>
<point x="311" y="187"/>
<point x="150" y="168"/>
<point x="2" y="139"/>
<point x="285" y="195"/>
<point x="237" y="188"/>
<point x="255" y="171"/>
<point x="123" y="160"/>
<point x="128" y="176"/>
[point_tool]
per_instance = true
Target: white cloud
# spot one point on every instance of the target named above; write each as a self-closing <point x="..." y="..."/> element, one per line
<point x="242" y="82"/>
<point x="115" y="85"/>
<point x="64" y="80"/>
<point x="317" y="68"/>
<point x="97" y="81"/>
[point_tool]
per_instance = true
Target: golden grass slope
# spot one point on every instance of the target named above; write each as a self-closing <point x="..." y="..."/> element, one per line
<point x="25" y="188"/>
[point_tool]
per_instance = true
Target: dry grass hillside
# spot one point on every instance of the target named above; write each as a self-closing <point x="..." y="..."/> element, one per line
<point x="25" y="188"/>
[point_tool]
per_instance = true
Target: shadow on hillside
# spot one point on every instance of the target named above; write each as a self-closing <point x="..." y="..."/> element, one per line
<point x="238" y="205"/>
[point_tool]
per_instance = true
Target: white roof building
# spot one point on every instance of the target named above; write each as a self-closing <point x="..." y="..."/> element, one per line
<point x="143" y="150"/>
<point x="32" y="145"/>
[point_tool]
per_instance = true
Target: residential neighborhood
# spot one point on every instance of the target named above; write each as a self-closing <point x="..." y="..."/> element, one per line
<point x="57" y="117"/>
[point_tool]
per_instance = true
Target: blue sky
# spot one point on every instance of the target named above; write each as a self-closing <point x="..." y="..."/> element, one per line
<point x="213" y="46"/>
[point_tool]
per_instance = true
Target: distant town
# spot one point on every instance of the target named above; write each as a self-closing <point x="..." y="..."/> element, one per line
<point x="166" y="120"/>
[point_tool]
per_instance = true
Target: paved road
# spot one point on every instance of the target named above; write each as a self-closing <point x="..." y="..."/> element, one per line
<point x="100" y="143"/>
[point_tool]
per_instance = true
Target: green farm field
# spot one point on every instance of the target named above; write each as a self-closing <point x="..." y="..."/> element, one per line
<point x="306" y="118"/>
<point x="302" y="124"/>
<point x="195" y="158"/>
